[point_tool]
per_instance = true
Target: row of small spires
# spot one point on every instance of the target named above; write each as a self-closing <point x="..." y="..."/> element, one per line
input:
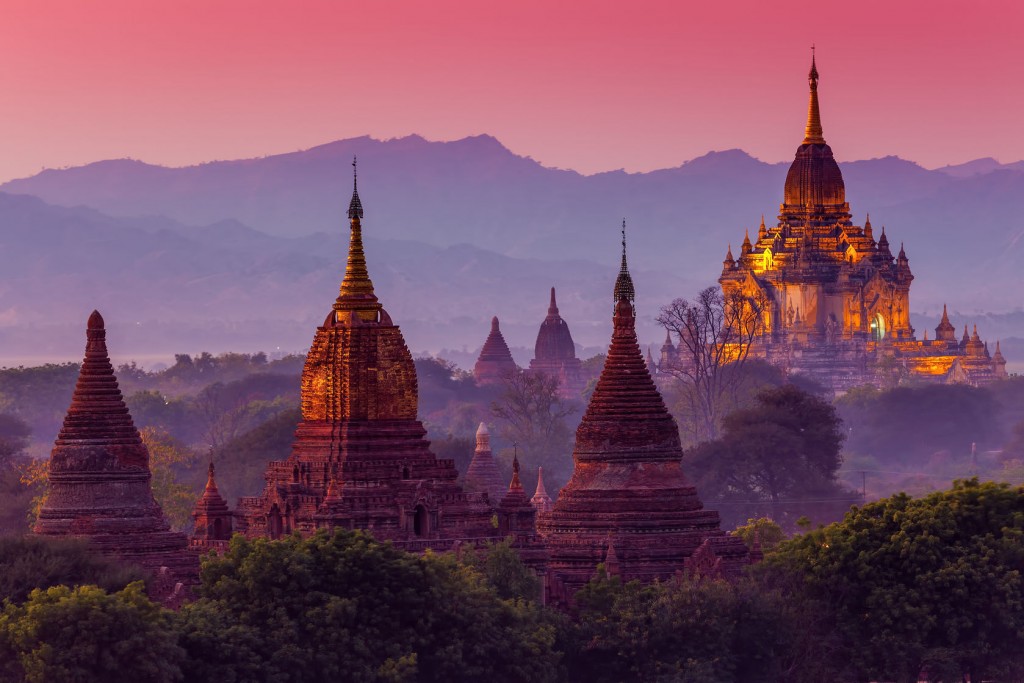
<point x="747" y="247"/>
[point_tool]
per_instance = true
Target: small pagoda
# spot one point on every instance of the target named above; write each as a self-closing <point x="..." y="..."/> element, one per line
<point x="628" y="502"/>
<point x="483" y="474"/>
<point x="495" y="363"/>
<point x="98" y="485"/>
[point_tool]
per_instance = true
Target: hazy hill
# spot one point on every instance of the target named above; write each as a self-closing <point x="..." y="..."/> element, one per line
<point x="165" y="287"/>
<point x="960" y="224"/>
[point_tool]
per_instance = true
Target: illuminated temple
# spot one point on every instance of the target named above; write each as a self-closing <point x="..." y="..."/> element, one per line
<point x="836" y="301"/>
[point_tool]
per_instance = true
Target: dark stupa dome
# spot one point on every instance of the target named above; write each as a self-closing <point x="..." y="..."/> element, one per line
<point x="554" y="342"/>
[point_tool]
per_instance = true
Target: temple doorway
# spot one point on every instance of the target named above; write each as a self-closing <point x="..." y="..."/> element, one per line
<point x="419" y="521"/>
<point x="877" y="328"/>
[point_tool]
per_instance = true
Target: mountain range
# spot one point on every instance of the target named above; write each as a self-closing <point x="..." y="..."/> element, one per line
<point x="247" y="255"/>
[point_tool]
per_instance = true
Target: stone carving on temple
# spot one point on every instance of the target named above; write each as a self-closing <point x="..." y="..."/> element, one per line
<point x="495" y="363"/>
<point x="555" y="354"/>
<point x="628" y="490"/>
<point x="838" y="298"/>
<point x="99" y="482"/>
<point x="360" y="458"/>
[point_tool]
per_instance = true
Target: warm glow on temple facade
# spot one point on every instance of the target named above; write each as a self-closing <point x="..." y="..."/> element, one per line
<point x="837" y="302"/>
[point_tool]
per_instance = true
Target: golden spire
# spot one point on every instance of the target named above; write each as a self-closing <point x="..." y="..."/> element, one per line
<point x="813" y="134"/>
<point x="356" y="288"/>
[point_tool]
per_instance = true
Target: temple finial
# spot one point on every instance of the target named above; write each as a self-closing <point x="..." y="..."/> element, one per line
<point x="624" y="283"/>
<point x="813" y="134"/>
<point x="553" y="306"/>
<point x="355" y="207"/>
<point x="356" y="287"/>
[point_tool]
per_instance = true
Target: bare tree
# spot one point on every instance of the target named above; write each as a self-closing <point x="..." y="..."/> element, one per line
<point x="534" y="416"/>
<point x="715" y="332"/>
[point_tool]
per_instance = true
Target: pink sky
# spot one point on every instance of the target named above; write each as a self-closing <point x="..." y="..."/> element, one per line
<point x="593" y="85"/>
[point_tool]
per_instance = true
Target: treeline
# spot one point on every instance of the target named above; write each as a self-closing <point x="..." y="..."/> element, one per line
<point x="902" y="589"/>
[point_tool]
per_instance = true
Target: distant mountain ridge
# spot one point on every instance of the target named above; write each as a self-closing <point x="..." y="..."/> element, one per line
<point x="463" y="230"/>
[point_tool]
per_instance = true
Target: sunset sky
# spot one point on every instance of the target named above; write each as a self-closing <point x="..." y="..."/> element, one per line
<point x="592" y="86"/>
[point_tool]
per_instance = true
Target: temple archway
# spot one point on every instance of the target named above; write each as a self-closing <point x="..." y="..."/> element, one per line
<point x="877" y="327"/>
<point x="274" y="523"/>
<point x="420" y="522"/>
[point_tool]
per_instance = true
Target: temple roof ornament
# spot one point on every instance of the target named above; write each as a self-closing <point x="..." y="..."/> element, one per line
<point x="814" y="178"/>
<point x="624" y="282"/>
<point x="541" y="500"/>
<point x="356" y="291"/>
<point x="813" y="134"/>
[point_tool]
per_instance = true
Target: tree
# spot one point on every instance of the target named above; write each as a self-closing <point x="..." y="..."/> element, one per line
<point x="784" y="451"/>
<point x="14" y="433"/>
<point x="168" y="459"/>
<point x="343" y="606"/>
<point x="907" y="585"/>
<point x="715" y="331"/>
<point x="685" y="629"/>
<point x="64" y="634"/>
<point x="31" y="562"/>
<point x="504" y="570"/>
<point x="534" y="416"/>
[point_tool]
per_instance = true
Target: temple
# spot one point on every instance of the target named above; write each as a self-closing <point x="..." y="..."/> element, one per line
<point x="628" y="504"/>
<point x="495" y="362"/>
<point x="482" y="474"/>
<point x="360" y="458"/>
<point x="836" y="302"/>
<point x="98" y="485"/>
<point x="555" y="353"/>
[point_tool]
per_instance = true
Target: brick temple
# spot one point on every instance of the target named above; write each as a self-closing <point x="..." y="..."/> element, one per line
<point x="483" y="474"/>
<point x="495" y="362"/>
<point x="360" y="458"/>
<point x="628" y="504"/>
<point x="837" y="300"/>
<point x="555" y="353"/>
<point x="98" y="485"/>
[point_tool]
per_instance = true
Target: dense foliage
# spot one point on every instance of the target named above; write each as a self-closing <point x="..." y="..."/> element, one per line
<point x="778" y="457"/>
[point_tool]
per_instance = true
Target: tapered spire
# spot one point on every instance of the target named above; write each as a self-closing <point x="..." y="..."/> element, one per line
<point x="356" y="288"/>
<point x="624" y="283"/>
<point x="813" y="134"/>
<point x="541" y="500"/>
<point x="553" y="307"/>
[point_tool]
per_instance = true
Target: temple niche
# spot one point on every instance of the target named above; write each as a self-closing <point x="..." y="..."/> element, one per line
<point x="836" y="301"/>
<point x="360" y="459"/>
<point x="555" y="354"/>
<point x="98" y="485"/>
<point x="628" y="504"/>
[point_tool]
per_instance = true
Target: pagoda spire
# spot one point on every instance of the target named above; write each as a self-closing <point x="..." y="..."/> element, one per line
<point x="552" y="307"/>
<point x="515" y="484"/>
<point x="356" y="292"/>
<point x="813" y="134"/>
<point x="624" y="283"/>
<point x="541" y="500"/>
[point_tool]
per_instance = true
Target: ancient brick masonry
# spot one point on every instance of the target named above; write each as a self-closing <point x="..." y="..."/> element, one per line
<point x="99" y="478"/>
<point x="628" y="494"/>
<point x="213" y="519"/>
<point x="360" y="457"/>
<point x="555" y="353"/>
<point x="482" y="474"/>
<point x="495" y="362"/>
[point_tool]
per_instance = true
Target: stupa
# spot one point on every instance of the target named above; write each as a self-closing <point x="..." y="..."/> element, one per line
<point x="98" y="485"/>
<point x="495" y="363"/>
<point x="555" y="353"/>
<point x="628" y="491"/>
<point x="213" y="518"/>
<point x="482" y="474"/>
<point x="360" y="458"/>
